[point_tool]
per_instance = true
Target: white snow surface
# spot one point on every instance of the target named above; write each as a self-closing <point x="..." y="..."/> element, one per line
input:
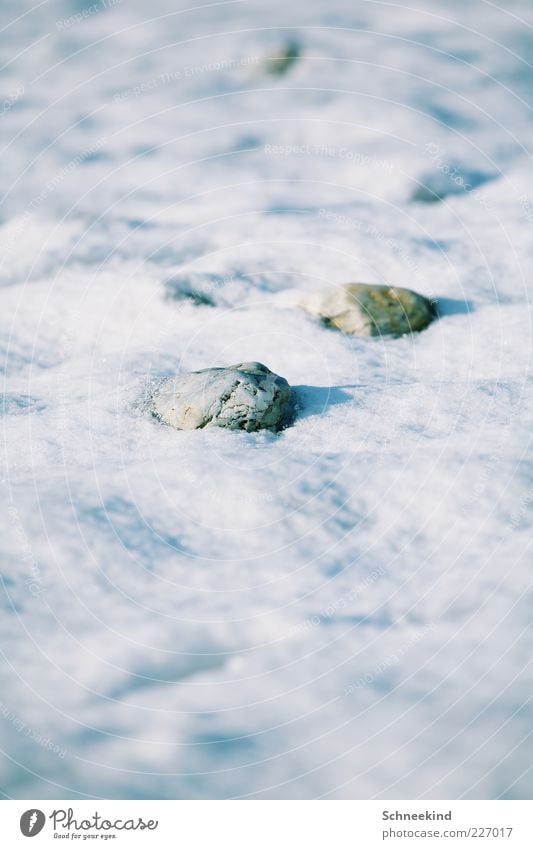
<point x="340" y="610"/>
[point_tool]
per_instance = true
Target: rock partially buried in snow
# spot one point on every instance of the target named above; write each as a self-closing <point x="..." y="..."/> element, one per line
<point x="247" y="396"/>
<point x="365" y="309"/>
<point x="179" y="290"/>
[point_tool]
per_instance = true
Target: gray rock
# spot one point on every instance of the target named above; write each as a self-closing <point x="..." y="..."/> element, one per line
<point x="364" y="309"/>
<point x="247" y="396"/>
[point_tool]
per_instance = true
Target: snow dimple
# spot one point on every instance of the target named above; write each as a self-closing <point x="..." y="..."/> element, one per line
<point x="14" y="403"/>
<point x="448" y="181"/>
<point x="171" y="673"/>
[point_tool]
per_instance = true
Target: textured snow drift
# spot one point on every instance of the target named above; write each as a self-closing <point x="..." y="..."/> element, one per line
<point x="338" y="610"/>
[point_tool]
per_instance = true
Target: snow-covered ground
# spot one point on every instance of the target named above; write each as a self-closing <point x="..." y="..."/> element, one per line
<point x="340" y="610"/>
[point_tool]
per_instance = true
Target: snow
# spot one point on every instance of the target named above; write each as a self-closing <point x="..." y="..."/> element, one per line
<point x="339" y="610"/>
